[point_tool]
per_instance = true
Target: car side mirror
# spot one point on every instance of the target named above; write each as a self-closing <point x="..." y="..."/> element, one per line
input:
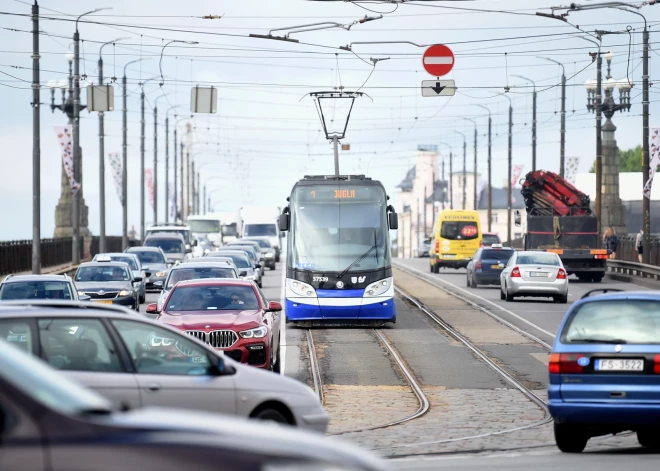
<point x="84" y="297"/>
<point x="393" y="219"/>
<point x="137" y="278"/>
<point x="243" y="273"/>
<point x="258" y="265"/>
<point x="517" y="219"/>
<point x="153" y="309"/>
<point x="283" y="222"/>
<point x="274" y="307"/>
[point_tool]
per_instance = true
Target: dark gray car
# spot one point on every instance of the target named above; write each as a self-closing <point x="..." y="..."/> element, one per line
<point x="154" y="265"/>
<point x="173" y="245"/>
<point x="48" y="422"/>
<point x="109" y="283"/>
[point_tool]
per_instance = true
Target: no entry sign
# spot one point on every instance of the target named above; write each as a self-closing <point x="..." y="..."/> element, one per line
<point x="438" y="60"/>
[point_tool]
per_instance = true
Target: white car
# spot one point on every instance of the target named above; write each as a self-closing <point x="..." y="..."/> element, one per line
<point x="136" y="362"/>
<point x="534" y="274"/>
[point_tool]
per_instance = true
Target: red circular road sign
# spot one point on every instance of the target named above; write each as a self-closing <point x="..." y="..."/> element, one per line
<point x="438" y="60"/>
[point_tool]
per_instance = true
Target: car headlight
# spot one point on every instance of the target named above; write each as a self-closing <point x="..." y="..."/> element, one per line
<point x="206" y="251"/>
<point x="251" y="277"/>
<point x="258" y="333"/>
<point x="378" y="288"/>
<point x="160" y="274"/>
<point x="301" y="289"/>
<point x="269" y="255"/>
<point x="125" y="292"/>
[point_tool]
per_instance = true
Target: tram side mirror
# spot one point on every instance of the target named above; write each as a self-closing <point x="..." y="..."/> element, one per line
<point x="283" y="222"/>
<point x="393" y="219"/>
<point x="517" y="218"/>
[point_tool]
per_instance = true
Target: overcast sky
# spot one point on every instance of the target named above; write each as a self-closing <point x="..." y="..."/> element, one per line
<point x="267" y="133"/>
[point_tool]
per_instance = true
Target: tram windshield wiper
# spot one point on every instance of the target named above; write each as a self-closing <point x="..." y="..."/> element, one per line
<point x="359" y="259"/>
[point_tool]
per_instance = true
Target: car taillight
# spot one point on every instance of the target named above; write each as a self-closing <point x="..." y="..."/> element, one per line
<point x="515" y="273"/>
<point x="567" y="363"/>
<point x="481" y="243"/>
<point x="437" y="246"/>
<point x="478" y="265"/>
<point x="656" y="364"/>
<point x="561" y="274"/>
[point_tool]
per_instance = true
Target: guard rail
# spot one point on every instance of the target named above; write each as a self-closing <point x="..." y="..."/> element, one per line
<point x="625" y="267"/>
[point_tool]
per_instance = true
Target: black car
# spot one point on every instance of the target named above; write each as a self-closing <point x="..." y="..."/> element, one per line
<point x="31" y="287"/>
<point x="109" y="283"/>
<point x="487" y="264"/>
<point x="154" y="264"/>
<point x="48" y="422"/>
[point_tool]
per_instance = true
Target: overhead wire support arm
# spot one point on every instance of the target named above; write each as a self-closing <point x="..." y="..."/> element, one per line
<point x="312" y="27"/>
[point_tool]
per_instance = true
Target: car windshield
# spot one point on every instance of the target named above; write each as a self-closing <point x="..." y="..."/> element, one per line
<point x="36" y="290"/>
<point x="624" y="321"/>
<point x="263" y="243"/>
<point x="149" y="256"/>
<point x="260" y="230"/>
<point x="499" y="255"/>
<point x="167" y="245"/>
<point x="45" y="386"/>
<point x="130" y="261"/>
<point x="106" y="273"/>
<point x="204" y="225"/>
<point x="185" y="233"/>
<point x="212" y="298"/>
<point x="229" y="230"/>
<point x="538" y="259"/>
<point x="490" y="239"/>
<point x="241" y="261"/>
<point x="182" y="274"/>
<point x="459" y="230"/>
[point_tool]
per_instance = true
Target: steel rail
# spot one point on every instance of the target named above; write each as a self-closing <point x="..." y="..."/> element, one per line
<point x="314" y="366"/>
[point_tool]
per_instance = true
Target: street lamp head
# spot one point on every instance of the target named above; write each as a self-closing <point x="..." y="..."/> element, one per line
<point x="609" y="56"/>
<point x="63" y="83"/>
<point x="609" y="84"/>
<point x="69" y="56"/>
<point x="590" y="85"/>
<point x="623" y="84"/>
<point x="52" y="84"/>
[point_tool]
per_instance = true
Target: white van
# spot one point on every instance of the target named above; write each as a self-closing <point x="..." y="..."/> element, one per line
<point x="206" y="227"/>
<point x="261" y="222"/>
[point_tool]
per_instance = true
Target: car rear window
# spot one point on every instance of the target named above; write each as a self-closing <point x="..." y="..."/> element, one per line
<point x="538" y="259"/>
<point x="501" y="255"/>
<point x="183" y="274"/>
<point x="167" y="245"/>
<point x="35" y="290"/>
<point x="455" y="230"/>
<point x="614" y="321"/>
<point x="490" y="239"/>
<point x="148" y="256"/>
<point x="212" y="298"/>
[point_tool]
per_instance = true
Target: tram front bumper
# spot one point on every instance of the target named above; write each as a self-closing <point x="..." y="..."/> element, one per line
<point x="306" y="309"/>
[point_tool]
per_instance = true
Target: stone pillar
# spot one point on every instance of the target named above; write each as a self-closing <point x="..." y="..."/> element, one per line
<point x="63" y="212"/>
<point x="612" y="210"/>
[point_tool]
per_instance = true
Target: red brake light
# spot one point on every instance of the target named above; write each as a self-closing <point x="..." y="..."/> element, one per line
<point x="567" y="363"/>
<point x="656" y="364"/>
<point x="561" y="274"/>
<point x="478" y="265"/>
<point x="481" y="243"/>
<point x="515" y="273"/>
<point x="437" y="246"/>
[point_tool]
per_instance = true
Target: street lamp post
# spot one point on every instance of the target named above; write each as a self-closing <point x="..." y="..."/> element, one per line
<point x="142" y="126"/>
<point x="167" y="162"/>
<point x="155" y="183"/>
<point x="451" y="176"/>
<point x="490" y="161"/>
<point x="533" y="120"/>
<point x="464" y="168"/>
<point x="36" y="144"/>
<point x="475" y="162"/>
<point x="562" y="139"/>
<point x="509" y="164"/>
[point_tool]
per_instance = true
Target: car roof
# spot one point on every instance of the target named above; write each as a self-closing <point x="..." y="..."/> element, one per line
<point x="215" y="282"/>
<point x="142" y="248"/>
<point x="508" y="249"/>
<point x="116" y="254"/>
<point x="218" y="264"/>
<point x="168" y="226"/>
<point x="490" y="233"/>
<point x="12" y="278"/>
<point x="103" y="264"/>
<point x="622" y="296"/>
<point x="232" y="252"/>
<point x="45" y="308"/>
<point x="164" y="235"/>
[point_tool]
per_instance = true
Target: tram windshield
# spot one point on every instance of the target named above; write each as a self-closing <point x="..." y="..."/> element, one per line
<point x="339" y="228"/>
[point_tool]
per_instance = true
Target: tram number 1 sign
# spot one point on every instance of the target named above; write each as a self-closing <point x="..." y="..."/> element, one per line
<point x="438" y="60"/>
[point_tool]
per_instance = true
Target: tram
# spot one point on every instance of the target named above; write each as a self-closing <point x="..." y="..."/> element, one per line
<point x="339" y="265"/>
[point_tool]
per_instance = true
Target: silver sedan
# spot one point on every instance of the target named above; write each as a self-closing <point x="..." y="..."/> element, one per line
<point x="535" y="274"/>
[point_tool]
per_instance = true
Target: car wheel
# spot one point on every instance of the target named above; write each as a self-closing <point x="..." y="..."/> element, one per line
<point x="649" y="438"/>
<point x="502" y="297"/>
<point x="467" y="280"/>
<point x="431" y="268"/>
<point x="474" y="282"/>
<point x="272" y="267"/>
<point x="508" y="297"/>
<point x="260" y="284"/>
<point x="597" y="277"/>
<point x="561" y="299"/>
<point x="276" y="366"/>
<point x="570" y="439"/>
<point x="436" y="268"/>
<point x="272" y="415"/>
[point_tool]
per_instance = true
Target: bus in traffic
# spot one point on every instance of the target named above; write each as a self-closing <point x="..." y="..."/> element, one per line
<point x="338" y="262"/>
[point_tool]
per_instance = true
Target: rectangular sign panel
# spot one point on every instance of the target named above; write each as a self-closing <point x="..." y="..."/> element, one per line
<point x="438" y="88"/>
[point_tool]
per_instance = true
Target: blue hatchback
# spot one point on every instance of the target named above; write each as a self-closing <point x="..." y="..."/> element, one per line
<point x="605" y="369"/>
<point x="487" y="264"/>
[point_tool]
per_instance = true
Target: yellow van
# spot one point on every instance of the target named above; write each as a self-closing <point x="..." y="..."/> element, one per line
<point x="457" y="238"/>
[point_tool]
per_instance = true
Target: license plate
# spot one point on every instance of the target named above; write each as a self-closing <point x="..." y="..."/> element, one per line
<point x="538" y="274"/>
<point x="619" y="365"/>
<point x="103" y="301"/>
<point x="496" y="267"/>
<point x="449" y="256"/>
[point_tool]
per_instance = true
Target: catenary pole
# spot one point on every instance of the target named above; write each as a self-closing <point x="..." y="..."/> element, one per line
<point x="509" y="165"/>
<point x="464" y="169"/>
<point x="533" y="119"/>
<point x="562" y="132"/>
<point x="490" y="170"/>
<point x="36" y="145"/>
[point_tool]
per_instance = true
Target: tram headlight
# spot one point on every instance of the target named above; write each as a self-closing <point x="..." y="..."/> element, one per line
<point x="379" y="288"/>
<point x="300" y="289"/>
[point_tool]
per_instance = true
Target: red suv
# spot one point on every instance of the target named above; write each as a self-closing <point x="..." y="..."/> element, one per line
<point x="230" y="315"/>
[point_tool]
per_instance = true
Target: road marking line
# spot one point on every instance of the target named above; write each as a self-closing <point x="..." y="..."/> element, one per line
<point x="511" y="313"/>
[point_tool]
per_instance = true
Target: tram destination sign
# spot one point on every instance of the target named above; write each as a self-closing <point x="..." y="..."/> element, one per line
<point x="331" y="193"/>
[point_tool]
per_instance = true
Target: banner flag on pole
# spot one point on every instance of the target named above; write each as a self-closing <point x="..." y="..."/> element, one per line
<point x="66" y="145"/>
<point x="115" y="164"/>
<point x="516" y="171"/>
<point x="572" y="165"/>
<point x="654" y="160"/>
<point x="149" y="179"/>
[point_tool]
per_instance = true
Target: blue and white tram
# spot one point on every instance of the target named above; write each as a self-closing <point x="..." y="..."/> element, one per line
<point x="339" y="266"/>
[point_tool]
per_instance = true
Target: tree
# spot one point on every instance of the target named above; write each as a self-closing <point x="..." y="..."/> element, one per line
<point x="629" y="160"/>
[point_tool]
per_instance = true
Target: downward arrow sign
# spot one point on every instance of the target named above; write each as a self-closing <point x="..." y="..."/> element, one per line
<point x="438" y="89"/>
